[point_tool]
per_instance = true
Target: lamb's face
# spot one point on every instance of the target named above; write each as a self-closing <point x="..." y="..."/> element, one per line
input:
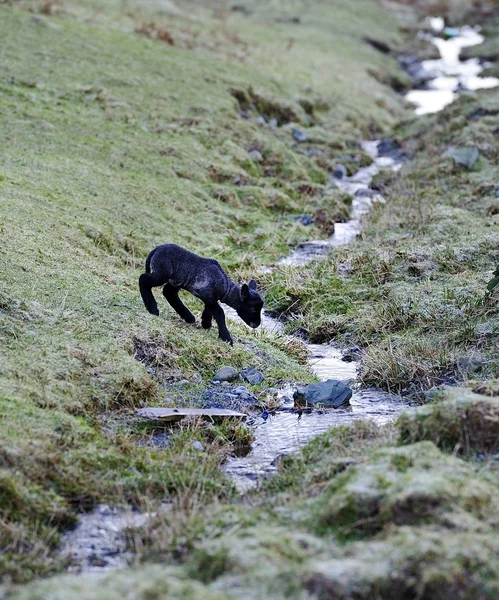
<point x="250" y="309"/>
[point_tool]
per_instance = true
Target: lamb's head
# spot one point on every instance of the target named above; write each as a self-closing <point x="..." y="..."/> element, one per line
<point x="251" y="305"/>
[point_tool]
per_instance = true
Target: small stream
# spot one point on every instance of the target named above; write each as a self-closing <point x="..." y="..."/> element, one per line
<point x="448" y="75"/>
<point x="98" y="541"/>
<point x="285" y="432"/>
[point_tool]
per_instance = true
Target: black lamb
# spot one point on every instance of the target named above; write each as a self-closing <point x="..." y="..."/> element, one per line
<point x="175" y="268"/>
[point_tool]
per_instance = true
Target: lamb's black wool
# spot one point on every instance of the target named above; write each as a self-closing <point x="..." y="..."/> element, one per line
<point x="175" y="268"/>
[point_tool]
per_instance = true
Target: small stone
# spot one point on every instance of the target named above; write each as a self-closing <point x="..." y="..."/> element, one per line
<point x="259" y="231"/>
<point x="273" y="123"/>
<point x="256" y="156"/>
<point x="252" y="375"/>
<point x="389" y="148"/>
<point x="261" y="120"/>
<point x="226" y="373"/>
<point x="470" y="364"/>
<point x="304" y="219"/>
<point x="225" y="384"/>
<point x="198" y="446"/>
<point x="243" y="114"/>
<point x="184" y="382"/>
<point x="465" y="156"/>
<point x="241" y="390"/>
<point x="340" y="171"/>
<point x="298" y="135"/>
<point x="352" y="354"/>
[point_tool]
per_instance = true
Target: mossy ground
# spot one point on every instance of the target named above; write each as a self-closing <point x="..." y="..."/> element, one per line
<point x="121" y="129"/>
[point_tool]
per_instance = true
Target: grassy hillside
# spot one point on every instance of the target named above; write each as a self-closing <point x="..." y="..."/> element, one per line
<point x="113" y="142"/>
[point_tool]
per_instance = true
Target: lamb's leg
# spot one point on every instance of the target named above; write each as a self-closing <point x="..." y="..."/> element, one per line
<point x="146" y="283"/>
<point x="170" y="292"/>
<point x="219" y="315"/>
<point x="206" y="318"/>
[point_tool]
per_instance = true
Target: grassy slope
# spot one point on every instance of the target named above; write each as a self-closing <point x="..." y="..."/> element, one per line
<point x="112" y="143"/>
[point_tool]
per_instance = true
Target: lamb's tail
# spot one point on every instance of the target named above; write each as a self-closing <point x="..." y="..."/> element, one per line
<point x="148" y="260"/>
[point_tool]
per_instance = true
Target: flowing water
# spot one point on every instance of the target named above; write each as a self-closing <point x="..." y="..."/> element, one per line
<point x="448" y="74"/>
<point x="285" y="432"/>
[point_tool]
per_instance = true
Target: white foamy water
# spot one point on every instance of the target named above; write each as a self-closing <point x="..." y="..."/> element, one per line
<point x="449" y="73"/>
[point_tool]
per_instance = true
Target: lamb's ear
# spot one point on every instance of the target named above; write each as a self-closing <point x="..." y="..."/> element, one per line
<point x="245" y="293"/>
<point x="252" y="285"/>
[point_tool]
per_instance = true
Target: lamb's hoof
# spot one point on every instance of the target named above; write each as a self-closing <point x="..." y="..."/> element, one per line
<point x="228" y="340"/>
<point x="190" y="319"/>
<point x="154" y="311"/>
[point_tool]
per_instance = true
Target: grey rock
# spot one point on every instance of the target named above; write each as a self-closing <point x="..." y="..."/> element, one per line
<point x="464" y="156"/>
<point x="331" y="393"/>
<point x="470" y="364"/>
<point x="352" y="354"/>
<point x="226" y="373"/>
<point x="340" y="171"/>
<point x="304" y="219"/>
<point x="197" y="445"/>
<point x="390" y="149"/>
<point x="252" y="375"/>
<point x="241" y="390"/>
<point x="256" y="156"/>
<point x="298" y="135"/>
<point x="261" y="120"/>
<point x="225" y="384"/>
<point x="259" y="231"/>
<point x="158" y="440"/>
<point x="273" y="123"/>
